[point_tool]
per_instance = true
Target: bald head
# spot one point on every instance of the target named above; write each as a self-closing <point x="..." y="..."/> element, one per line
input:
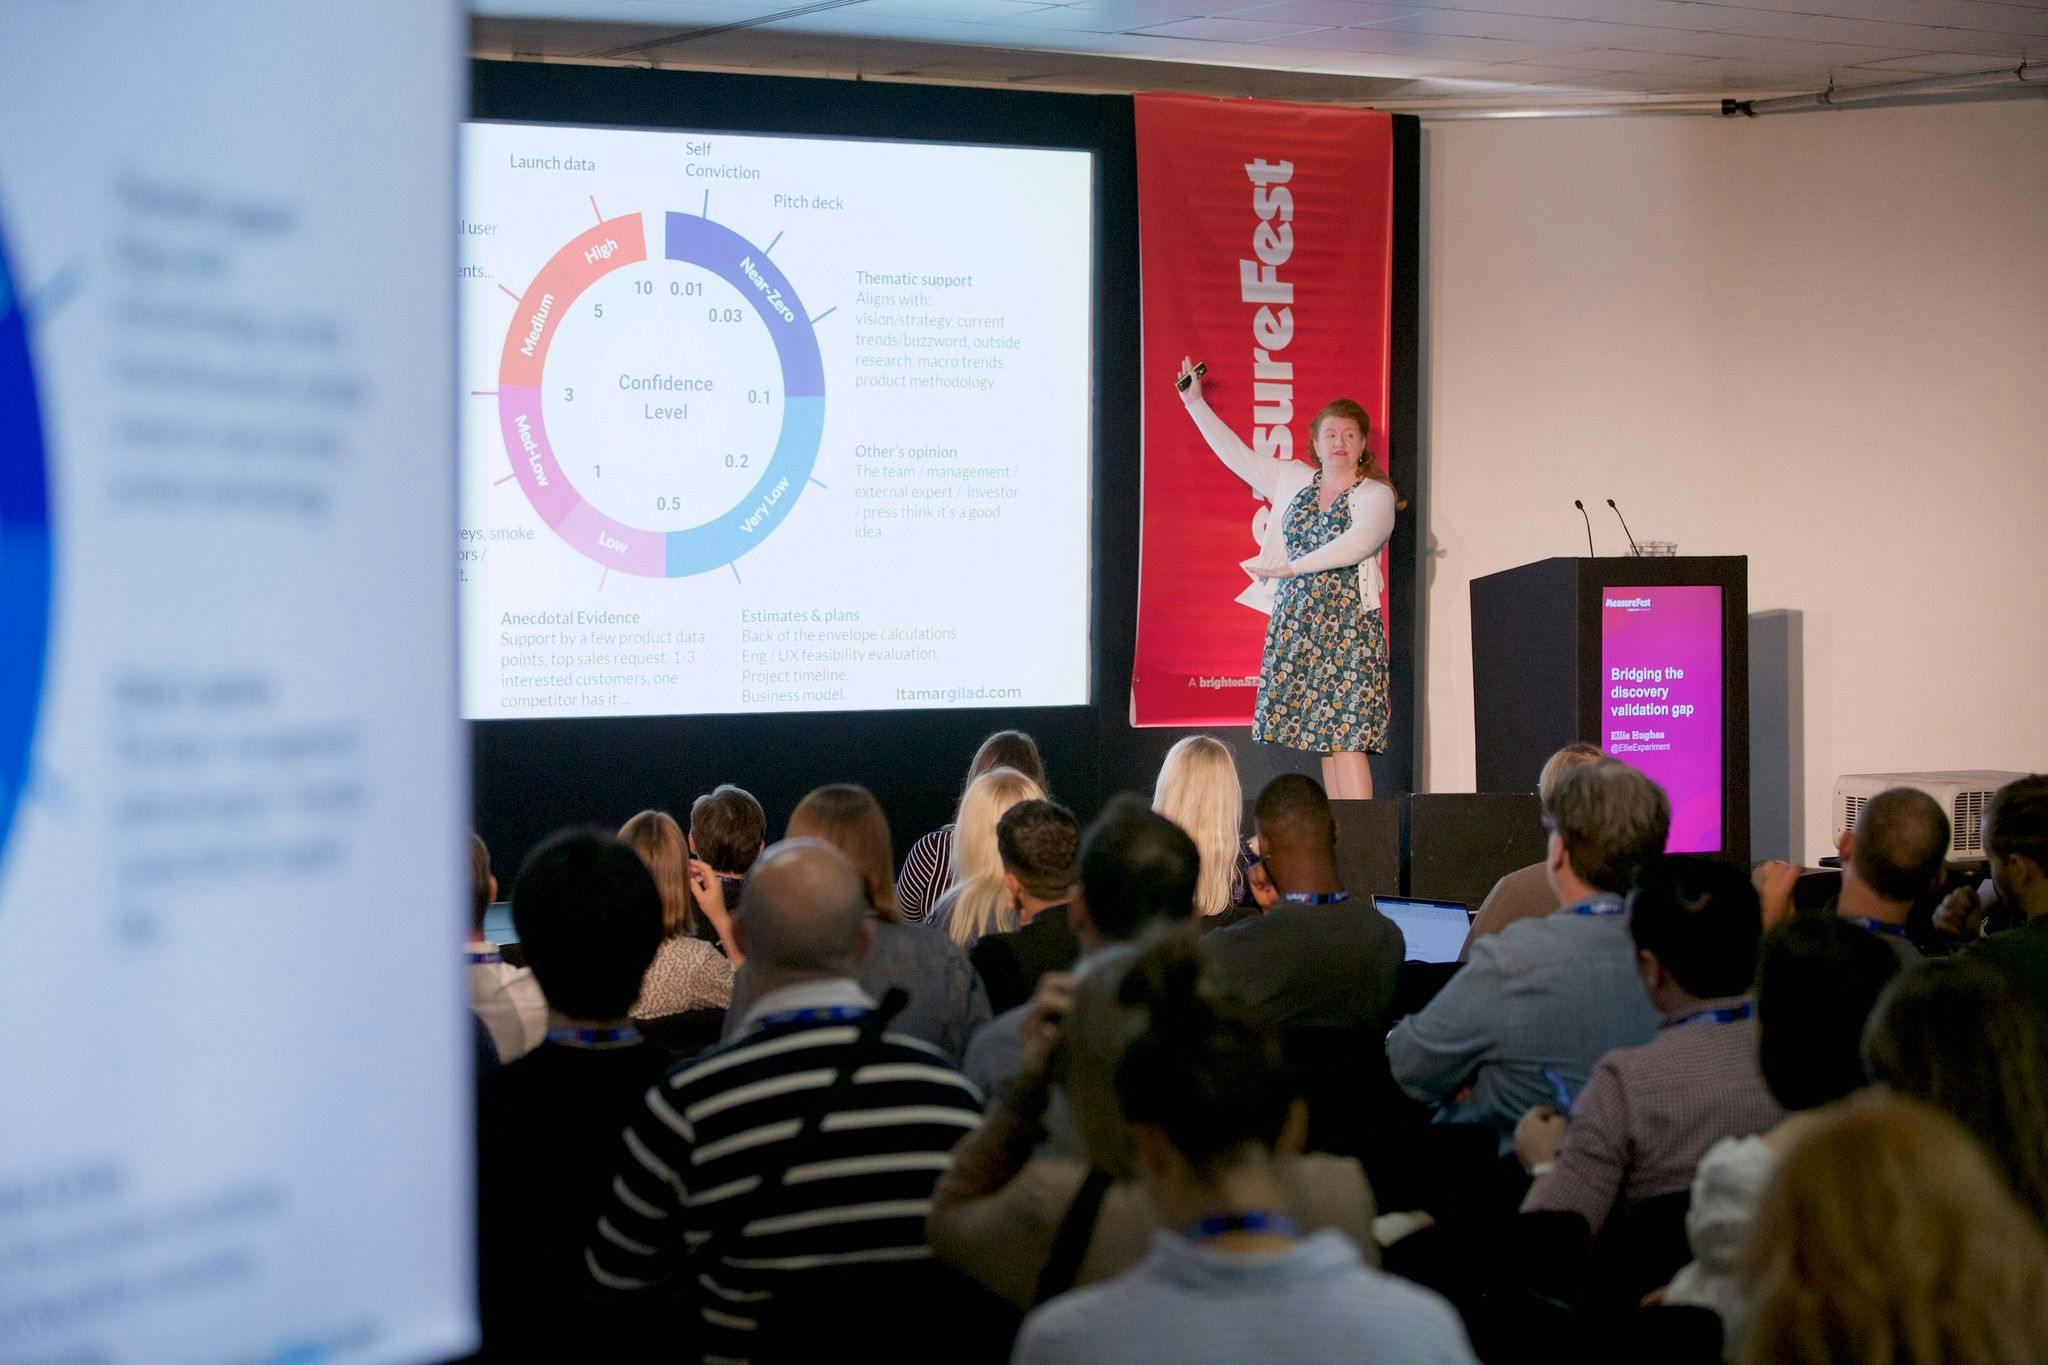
<point x="1901" y="840"/>
<point x="804" y="911"/>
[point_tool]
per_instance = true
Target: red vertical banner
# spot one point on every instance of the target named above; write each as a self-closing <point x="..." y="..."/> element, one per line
<point x="1265" y="237"/>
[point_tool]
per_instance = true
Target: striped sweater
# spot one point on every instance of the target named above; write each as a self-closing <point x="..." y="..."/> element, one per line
<point x="703" y="1139"/>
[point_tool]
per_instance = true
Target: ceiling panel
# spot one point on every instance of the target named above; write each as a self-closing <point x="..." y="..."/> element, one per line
<point x="1335" y="13"/>
<point x="955" y="11"/>
<point x="1464" y="23"/>
<point x="1228" y="30"/>
<point x="1413" y="53"/>
<point x="1932" y="64"/>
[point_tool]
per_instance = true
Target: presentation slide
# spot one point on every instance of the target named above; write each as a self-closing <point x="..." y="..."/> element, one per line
<point x="234" y="1059"/>
<point x="1660" y="709"/>
<point x="760" y="424"/>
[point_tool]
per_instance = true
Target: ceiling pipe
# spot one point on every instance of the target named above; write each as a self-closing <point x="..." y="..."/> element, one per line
<point x="1525" y="111"/>
<point x="2023" y="74"/>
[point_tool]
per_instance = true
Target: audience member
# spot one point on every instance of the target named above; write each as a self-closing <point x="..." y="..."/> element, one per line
<point x="1039" y="843"/>
<point x="728" y="830"/>
<point x="1649" y="1113"/>
<point x="946" y="1000"/>
<point x="1539" y="1003"/>
<point x="1001" y="1210"/>
<point x="928" y="866"/>
<point x="2016" y="838"/>
<point x="1318" y="958"/>
<point x="590" y="918"/>
<point x="1144" y="1137"/>
<point x="1886" y="1236"/>
<point x="506" y="998"/>
<point x="1199" y="791"/>
<point x="1230" y="1276"/>
<point x="1817" y="981"/>
<point x="1960" y="1036"/>
<point x="781" y="1163"/>
<point x="977" y="903"/>
<point x="1892" y="860"/>
<point x="1138" y="874"/>
<point x="1527" y="893"/>
<point x="688" y="973"/>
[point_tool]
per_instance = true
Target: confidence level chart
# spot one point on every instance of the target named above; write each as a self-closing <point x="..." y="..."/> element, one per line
<point x="661" y="413"/>
<point x="24" y="552"/>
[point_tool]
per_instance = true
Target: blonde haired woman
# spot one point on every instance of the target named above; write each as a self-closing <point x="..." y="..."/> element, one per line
<point x="1199" y="791"/>
<point x="928" y="868"/>
<point x="687" y="973"/>
<point x="947" y="1002"/>
<point x="1887" y="1235"/>
<point x="979" y="903"/>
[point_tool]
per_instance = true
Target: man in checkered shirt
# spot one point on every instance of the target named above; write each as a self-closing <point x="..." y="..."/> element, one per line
<point x="1649" y="1113"/>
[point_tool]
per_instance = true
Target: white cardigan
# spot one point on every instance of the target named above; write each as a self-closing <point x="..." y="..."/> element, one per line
<point x="1278" y="481"/>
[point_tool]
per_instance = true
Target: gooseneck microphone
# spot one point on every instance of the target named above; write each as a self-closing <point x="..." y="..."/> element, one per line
<point x="1632" y="548"/>
<point x="1589" y="526"/>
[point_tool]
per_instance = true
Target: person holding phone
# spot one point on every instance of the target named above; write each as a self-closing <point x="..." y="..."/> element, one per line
<point x="1323" y="673"/>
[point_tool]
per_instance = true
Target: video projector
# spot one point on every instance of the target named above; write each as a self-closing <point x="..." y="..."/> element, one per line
<point x="1963" y="795"/>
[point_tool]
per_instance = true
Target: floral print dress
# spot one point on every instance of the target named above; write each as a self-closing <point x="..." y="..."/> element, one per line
<point x="1323" y="678"/>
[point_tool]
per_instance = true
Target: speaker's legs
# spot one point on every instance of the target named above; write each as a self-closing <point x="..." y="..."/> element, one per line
<point x="1347" y="777"/>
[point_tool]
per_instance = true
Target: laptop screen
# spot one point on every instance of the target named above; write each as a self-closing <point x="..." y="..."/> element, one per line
<point x="1435" y="930"/>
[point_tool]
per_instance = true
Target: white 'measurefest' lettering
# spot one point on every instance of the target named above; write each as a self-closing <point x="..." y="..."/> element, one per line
<point x="1272" y="327"/>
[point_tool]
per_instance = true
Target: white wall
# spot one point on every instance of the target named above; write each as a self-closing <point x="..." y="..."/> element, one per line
<point x="1820" y="340"/>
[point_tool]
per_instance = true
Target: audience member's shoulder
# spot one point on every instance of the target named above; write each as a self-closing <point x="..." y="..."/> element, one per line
<point x="1618" y="1063"/>
<point x="547" y="1080"/>
<point x="1505" y="951"/>
<point x="995" y="959"/>
<point x="938" y="920"/>
<point x="1226" y="918"/>
<point x="1545" y="938"/>
<point x="993" y="1050"/>
<point x="923" y="943"/>
<point x="2022" y="942"/>
<point x="716" y="1065"/>
<point x="1005" y="1030"/>
<point x="914" y="1059"/>
<point x="1414" y="1323"/>
<point x="1237" y="934"/>
<point x="1077" y="1325"/>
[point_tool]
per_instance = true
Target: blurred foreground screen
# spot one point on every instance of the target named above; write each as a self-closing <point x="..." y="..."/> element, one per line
<point x="234" y="1061"/>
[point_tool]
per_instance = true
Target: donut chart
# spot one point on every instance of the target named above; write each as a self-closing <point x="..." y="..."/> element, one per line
<point x="702" y="472"/>
<point x="24" y="553"/>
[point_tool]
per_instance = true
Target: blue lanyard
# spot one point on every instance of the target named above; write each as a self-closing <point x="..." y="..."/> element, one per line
<point x="1316" y="897"/>
<point x="1877" y="926"/>
<point x="625" y="1035"/>
<point x="1216" y="1225"/>
<point x="485" y="955"/>
<point x="1600" y="908"/>
<point x="1727" y="1014"/>
<point x="821" y="1014"/>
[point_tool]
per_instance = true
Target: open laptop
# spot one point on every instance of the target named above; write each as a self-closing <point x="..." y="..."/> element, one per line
<point x="1435" y="930"/>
